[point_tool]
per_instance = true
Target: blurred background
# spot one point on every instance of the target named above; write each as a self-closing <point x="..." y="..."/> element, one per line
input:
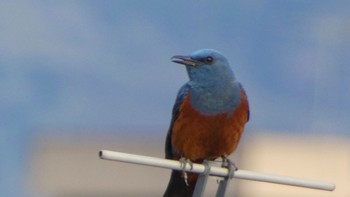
<point x="80" y="76"/>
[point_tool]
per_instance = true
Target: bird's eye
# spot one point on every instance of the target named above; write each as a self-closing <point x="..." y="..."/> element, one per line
<point x="209" y="59"/>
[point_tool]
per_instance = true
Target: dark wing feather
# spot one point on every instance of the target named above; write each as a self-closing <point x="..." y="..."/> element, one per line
<point x="183" y="92"/>
<point x="245" y="97"/>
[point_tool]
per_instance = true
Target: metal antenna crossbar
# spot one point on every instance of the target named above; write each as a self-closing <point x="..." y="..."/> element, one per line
<point x="207" y="170"/>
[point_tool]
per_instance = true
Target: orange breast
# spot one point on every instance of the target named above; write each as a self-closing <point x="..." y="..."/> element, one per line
<point x="196" y="136"/>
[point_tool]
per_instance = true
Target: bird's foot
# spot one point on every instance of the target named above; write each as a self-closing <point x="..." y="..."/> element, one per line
<point x="230" y="165"/>
<point x="185" y="162"/>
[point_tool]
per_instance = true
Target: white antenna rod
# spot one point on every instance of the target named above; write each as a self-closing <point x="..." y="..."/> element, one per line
<point x="215" y="171"/>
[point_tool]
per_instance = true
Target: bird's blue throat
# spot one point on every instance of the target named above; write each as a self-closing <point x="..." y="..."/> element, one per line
<point x="223" y="98"/>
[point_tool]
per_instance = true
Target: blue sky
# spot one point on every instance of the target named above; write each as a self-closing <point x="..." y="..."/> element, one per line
<point x="106" y="64"/>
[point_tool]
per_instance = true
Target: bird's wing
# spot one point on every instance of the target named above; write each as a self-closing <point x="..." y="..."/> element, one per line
<point x="183" y="92"/>
<point x="244" y="98"/>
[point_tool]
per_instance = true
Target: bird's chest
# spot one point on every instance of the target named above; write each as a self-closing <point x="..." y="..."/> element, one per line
<point x="199" y="135"/>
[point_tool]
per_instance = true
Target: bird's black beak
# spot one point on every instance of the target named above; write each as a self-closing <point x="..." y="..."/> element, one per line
<point x="185" y="60"/>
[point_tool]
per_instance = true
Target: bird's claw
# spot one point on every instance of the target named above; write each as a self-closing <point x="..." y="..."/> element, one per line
<point x="185" y="162"/>
<point x="227" y="163"/>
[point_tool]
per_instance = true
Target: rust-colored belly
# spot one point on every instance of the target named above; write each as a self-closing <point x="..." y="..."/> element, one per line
<point x="198" y="137"/>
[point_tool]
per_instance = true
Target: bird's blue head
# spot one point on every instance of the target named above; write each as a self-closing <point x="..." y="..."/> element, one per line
<point x="206" y="66"/>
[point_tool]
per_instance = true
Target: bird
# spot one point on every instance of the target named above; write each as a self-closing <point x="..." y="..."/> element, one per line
<point x="208" y="117"/>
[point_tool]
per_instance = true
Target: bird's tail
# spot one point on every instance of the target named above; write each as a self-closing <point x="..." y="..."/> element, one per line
<point x="177" y="186"/>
